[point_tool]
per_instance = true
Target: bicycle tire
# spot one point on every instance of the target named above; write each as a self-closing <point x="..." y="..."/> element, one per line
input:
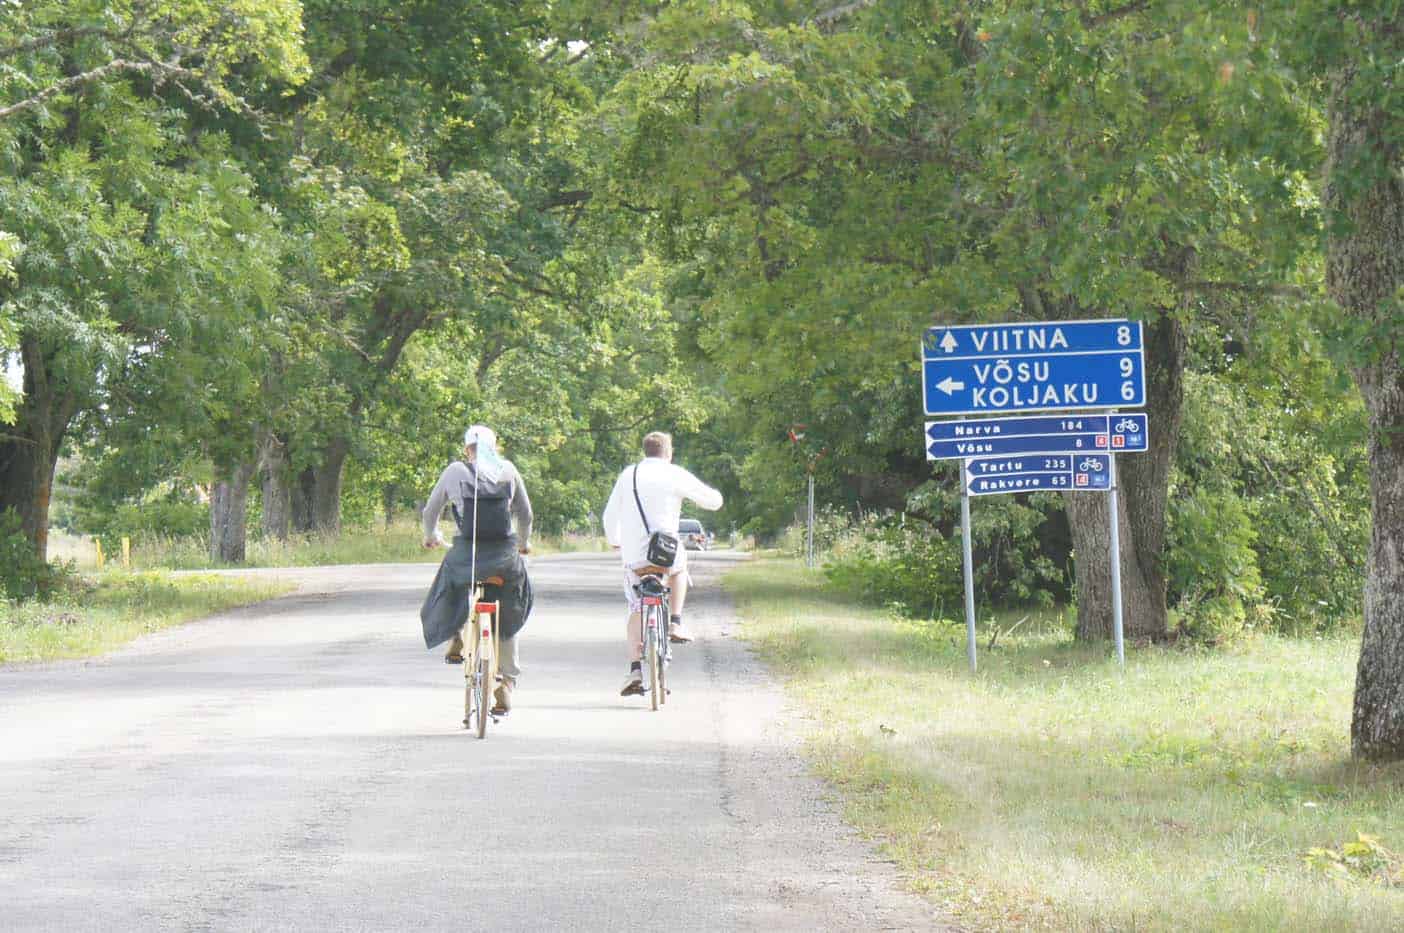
<point x="482" y="676"/>
<point x="468" y="710"/>
<point x="662" y="658"/>
<point x="654" y="662"/>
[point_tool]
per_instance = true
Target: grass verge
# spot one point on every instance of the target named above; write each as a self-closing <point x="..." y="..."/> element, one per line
<point x="115" y="608"/>
<point x="1196" y="790"/>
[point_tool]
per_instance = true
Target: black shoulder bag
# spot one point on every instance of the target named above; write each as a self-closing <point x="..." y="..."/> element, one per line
<point x="662" y="545"/>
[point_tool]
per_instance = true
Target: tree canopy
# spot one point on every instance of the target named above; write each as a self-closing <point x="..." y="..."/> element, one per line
<point x="283" y="252"/>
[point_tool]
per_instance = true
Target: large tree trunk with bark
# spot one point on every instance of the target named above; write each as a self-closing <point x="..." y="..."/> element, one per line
<point x="1143" y="482"/>
<point x="229" y="497"/>
<point x="326" y="491"/>
<point x="300" y="499"/>
<point x="29" y="451"/>
<point x="1365" y="275"/>
<point x="316" y="491"/>
<point x="277" y="496"/>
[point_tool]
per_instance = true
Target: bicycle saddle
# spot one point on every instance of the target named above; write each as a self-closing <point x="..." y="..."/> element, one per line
<point x="652" y="586"/>
<point x="491" y="581"/>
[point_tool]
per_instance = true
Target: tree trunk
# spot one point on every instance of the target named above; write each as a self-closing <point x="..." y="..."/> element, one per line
<point x="300" y="500"/>
<point x="277" y="496"/>
<point x="1143" y="481"/>
<point x="1364" y="274"/>
<point x="29" y="451"/>
<point x="388" y="492"/>
<point x="326" y="491"/>
<point x="229" y="496"/>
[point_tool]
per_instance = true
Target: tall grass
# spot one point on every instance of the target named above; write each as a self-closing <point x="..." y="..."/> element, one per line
<point x="376" y="544"/>
<point x="1197" y="789"/>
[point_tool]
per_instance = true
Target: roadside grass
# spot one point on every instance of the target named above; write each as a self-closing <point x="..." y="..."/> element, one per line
<point x="399" y="543"/>
<point x="110" y="610"/>
<point x="1199" y="789"/>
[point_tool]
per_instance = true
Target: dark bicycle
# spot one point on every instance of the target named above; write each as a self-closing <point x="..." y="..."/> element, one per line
<point x="653" y="597"/>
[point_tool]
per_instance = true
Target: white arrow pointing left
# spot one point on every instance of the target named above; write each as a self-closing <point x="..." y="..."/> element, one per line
<point x="950" y="386"/>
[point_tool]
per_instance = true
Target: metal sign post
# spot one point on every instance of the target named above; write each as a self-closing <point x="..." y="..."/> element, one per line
<point x="1115" y="561"/>
<point x="966" y="552"/>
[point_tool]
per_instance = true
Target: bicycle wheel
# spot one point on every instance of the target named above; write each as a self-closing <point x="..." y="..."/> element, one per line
<point x="662" y="658"/>
<point x="468" y="709"/>
<point x="655" y="662"/>
<point x="482" y="680"/>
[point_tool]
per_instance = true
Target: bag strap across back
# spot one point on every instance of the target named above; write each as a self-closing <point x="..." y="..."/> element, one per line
<point x="639" y="502"/>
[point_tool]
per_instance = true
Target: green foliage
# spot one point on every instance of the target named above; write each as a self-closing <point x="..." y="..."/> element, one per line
<point x="1365" y="858"/>
<point x="155" y="518"/>
<point x="21" y="572"/>
<point x="914" y="564"/>
<point x="1269" y="510"/>
<point x="1211" y="565"/>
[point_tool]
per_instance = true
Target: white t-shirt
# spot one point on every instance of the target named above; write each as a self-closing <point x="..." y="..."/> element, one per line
<point x="662" y="488"/>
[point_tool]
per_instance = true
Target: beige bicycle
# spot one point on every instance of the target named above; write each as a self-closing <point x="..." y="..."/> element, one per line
<point x="480" y="673"/>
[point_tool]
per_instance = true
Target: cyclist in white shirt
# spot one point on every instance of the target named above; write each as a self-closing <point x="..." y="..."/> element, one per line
<point x="662" y="487"/>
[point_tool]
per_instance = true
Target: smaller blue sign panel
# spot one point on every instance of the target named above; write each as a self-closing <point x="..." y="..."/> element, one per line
<point x="992" y="476"/>
<point x="985" y="437"/>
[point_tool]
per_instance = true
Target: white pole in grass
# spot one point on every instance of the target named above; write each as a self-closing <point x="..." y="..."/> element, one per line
<point x="1115" y="560"/>
<point x="966" y="551"/>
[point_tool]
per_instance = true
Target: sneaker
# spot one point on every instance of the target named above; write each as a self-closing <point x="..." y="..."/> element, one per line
<point x="502" y="699"/>
<point x="455" y="651"/>
<point x="633" y="684"/>
<point x="677" y="634"/>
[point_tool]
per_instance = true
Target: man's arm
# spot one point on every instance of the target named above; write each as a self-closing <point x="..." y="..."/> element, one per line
<point x="690" y="487"/>
<point x="611" y="514"/>
<point x="521" y="511"/>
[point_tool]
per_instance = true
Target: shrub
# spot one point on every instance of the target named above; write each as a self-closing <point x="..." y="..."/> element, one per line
<point x="915" y="565"/>
<point x="1211" y="565"/>
<point x="22" y="574"/>
<point x="153" y="519"/>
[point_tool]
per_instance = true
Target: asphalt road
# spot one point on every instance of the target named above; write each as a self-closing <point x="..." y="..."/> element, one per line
<point x="301" y="765"/>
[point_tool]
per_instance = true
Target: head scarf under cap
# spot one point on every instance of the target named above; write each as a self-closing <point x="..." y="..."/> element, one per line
<point x="479" y="433"/>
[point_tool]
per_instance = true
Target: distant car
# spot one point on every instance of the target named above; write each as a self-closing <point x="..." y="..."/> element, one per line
<point x="694" y="536"/>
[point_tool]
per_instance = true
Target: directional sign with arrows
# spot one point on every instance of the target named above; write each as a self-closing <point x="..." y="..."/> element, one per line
<point x="1011" y="368"/>
<point x="991" y="476"/>
<point x="956" y="440"/>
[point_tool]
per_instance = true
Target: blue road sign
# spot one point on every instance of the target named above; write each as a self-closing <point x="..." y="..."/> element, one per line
<point x="1008" y="368"/>
<point x="956" y="440"/>
<point x="992" y="476"/>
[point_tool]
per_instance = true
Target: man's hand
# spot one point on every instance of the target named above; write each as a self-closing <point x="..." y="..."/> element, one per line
<point x="524" y="549"/>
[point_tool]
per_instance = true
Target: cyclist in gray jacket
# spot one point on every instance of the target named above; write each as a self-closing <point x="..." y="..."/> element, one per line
<point x="487" y="497"/>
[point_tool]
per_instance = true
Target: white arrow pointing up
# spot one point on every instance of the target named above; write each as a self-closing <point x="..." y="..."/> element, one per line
<point x="948" y="342"/>
<point x="949" y="385"/>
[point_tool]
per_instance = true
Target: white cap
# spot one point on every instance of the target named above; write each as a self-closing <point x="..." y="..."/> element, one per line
<point x="479" y="433"/>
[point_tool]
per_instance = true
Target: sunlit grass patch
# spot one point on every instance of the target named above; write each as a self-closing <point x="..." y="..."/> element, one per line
<point x="116" y="607"/>
<point x="1054" y="789"/>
